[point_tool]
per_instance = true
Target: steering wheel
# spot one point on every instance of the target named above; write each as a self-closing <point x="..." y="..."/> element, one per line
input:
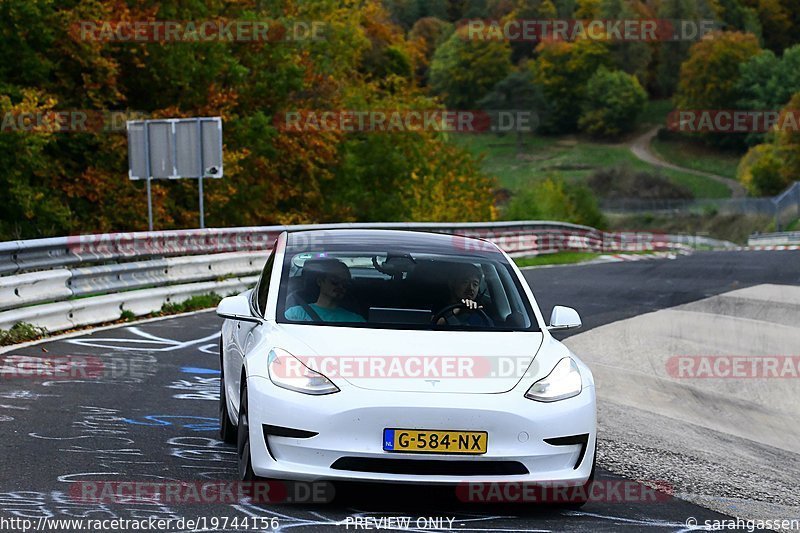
<point x="448" y="311"/>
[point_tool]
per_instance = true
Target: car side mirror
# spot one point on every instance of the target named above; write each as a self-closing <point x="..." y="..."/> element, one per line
<point x="564" y="318"/>
<point x="236" y="308"/>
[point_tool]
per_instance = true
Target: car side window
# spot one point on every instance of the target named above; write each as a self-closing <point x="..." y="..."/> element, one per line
<point x="263" y="284"/>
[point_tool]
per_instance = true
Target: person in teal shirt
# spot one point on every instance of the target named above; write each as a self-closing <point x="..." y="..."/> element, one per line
<point x="333" y="283"/>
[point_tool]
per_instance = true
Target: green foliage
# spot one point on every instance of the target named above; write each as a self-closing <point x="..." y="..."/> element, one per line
<point x="127" y="315"/>
<point x="767" y="82"/>
<point x="21" y="332"/>
<point x="408" y="12"/>
<point x="767" y="169"/>
<point x="630" y="56"/>
<point x="427" y="35"/>
<point x="612" y="103"/>
<point x="195" y="303"/>
<point x="736" y="15"/>
<point x="562" y="70"/>
<point x="776" y="22"/>
<point x="464" y="70"/>
<point x="57" y="183"/>
<point x="671" y="54"/>
<point x="530" y="10"/>
<point x="710" y="77"/>
<point x="519" y="92"/>
<point x="555" y="199"/>
<point x="29" y="206"/>
<point x="559" y="258"/>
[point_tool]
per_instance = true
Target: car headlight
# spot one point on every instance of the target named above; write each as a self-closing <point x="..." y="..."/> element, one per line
<point x="288" y="372"/>
<point x="563" y="382"/>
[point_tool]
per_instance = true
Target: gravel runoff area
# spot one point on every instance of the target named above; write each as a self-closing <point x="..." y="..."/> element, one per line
<point x="730" y="445"/>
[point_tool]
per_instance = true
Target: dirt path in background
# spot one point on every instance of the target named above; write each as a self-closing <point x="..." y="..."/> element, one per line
<point x="640" y="147"/>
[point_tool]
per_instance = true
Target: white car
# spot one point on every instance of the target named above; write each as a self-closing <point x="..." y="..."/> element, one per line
<point x="401" y="356"/>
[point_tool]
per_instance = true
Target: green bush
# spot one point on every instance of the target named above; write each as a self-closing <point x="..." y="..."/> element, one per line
<point x="558" y="200"/>
<point x="612" y="103"/>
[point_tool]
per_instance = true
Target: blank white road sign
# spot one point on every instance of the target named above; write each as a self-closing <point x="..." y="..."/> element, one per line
<point x="175" y="148"/>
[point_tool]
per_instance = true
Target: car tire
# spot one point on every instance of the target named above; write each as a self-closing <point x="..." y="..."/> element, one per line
<point x="227" y="429"/>
<point x="243" y="440"/>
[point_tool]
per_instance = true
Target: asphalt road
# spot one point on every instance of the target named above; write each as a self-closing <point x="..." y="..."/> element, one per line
<point x="149" y="415"/>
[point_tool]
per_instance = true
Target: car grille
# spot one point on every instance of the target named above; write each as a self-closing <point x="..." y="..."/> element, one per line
<point x="427" y="467"/>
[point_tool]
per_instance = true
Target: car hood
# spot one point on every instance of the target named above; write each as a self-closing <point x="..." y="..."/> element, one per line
<point x="418" y="361"/>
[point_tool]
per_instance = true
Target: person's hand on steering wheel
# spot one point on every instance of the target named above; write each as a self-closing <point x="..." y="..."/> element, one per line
<point x="449" y="314"/>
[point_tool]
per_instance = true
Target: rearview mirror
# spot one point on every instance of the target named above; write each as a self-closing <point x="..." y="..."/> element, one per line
<point x="564" y="318"/>
<point x="236" y="308"/>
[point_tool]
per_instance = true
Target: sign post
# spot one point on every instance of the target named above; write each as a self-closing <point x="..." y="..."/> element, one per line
<point x="175" y="148"/>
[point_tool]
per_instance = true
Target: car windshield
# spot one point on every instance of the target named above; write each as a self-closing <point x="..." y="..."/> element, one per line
<point x="400" y="284"/>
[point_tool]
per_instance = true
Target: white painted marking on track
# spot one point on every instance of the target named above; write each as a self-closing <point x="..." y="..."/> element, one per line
<point x="142" y="341"/>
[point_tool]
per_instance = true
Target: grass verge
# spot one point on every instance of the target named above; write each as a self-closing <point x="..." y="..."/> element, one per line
<point x="697" y="156"/>
<point x="24" y="332"/>
<point x="573" y="158"/>
<point x="559" y="258"/>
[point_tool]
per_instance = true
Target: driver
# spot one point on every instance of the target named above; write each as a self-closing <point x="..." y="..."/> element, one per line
<point x="463" y="288"/>
<point x="333" y="280"/>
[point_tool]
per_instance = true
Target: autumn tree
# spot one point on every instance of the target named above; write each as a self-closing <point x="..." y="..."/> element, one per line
<point x="671" y="54"/>
<point x="78" y="182"/>
<point x="427" y="35"/>
<point x="710" y="76"/>
<point x="767" y="169"/>
<point x="562" y="70"/>
<point x="465" y="68"/>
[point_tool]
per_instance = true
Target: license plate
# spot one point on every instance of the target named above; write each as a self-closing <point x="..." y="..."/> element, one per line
<point x="435" y="441"/>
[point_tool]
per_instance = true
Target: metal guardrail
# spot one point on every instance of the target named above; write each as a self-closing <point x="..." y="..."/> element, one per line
<point x="774" y="239"/>
<point x="40" y="254"/>
<point x="66" y="282"/>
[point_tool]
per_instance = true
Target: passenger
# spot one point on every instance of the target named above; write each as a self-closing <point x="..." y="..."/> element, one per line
<point x="333" y="280"/>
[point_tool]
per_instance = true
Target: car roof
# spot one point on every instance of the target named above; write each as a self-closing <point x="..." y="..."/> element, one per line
<point x="391" y="239"/>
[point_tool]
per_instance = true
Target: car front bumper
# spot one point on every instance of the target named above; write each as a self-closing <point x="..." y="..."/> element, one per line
<point x="348" y="428"/>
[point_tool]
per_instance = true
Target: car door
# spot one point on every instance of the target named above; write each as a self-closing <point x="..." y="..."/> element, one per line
<point x="243" y="333"/>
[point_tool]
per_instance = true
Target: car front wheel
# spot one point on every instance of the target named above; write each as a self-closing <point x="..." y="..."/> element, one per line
<point x="227" y="429"/>
<point x="243" y="440"/>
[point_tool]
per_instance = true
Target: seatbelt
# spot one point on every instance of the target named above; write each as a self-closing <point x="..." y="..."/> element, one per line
<point x="310" y="310"/>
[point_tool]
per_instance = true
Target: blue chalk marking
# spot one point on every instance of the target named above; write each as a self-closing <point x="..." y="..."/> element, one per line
<point x="197" y="370"/>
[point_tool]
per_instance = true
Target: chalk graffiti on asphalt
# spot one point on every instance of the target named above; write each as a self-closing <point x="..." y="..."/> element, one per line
<point x="141" y="341"/>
